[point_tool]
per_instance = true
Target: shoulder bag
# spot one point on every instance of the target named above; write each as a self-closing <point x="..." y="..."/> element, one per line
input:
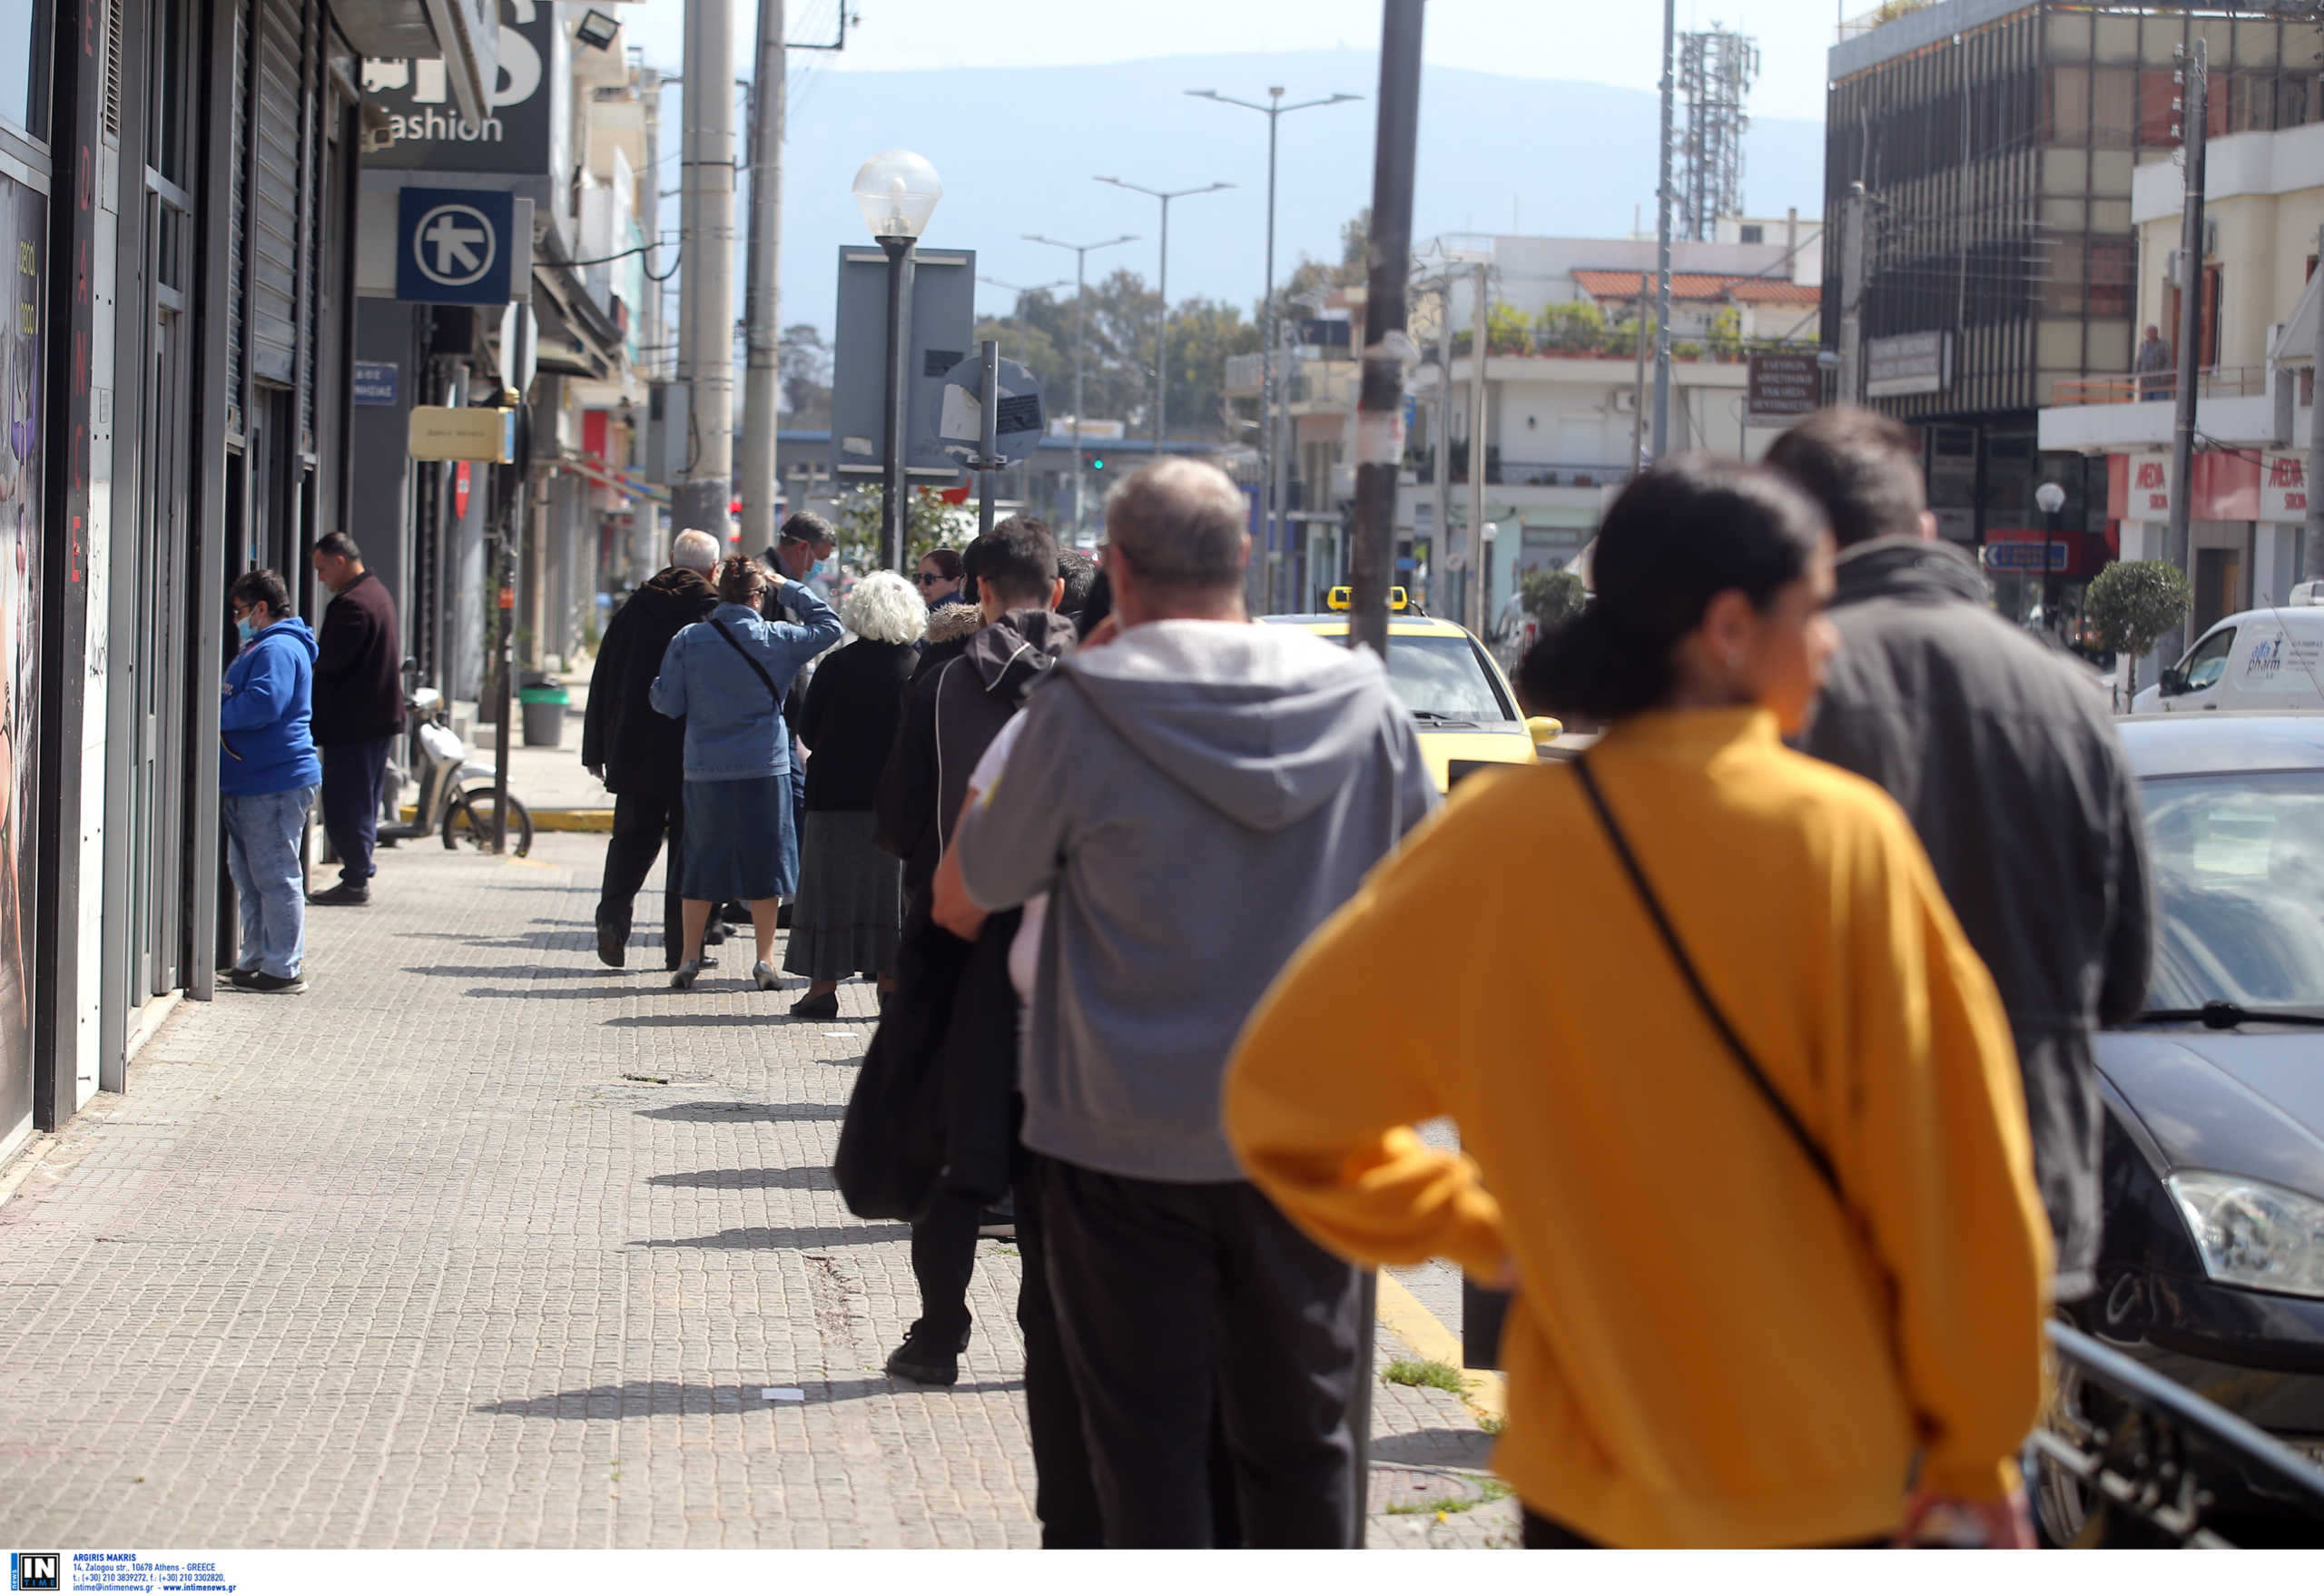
<point x="750" y="660"/>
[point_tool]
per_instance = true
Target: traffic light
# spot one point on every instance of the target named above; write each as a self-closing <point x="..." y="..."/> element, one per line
<point x="1097" y="463"/>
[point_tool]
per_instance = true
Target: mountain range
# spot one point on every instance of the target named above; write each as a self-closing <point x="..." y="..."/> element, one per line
<point x="1017" y="150"/>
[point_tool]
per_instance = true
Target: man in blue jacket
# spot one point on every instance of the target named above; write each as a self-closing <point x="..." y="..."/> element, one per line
<point x="267" y="774"/>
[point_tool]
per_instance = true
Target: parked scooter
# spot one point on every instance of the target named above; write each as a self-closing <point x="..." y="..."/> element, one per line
<point x="457" y="792"/>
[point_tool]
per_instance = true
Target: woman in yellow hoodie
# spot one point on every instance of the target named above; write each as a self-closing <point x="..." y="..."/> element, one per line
<point x="1779" y="1260"/>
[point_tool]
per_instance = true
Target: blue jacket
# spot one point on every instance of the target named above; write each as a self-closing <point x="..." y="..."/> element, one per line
<point x="734" y="728"/>
<point x="262" y="723"/>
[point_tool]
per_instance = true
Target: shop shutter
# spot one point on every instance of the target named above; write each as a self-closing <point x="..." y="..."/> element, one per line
<point x="238" y="27"/>
<point x="278" y="175"/>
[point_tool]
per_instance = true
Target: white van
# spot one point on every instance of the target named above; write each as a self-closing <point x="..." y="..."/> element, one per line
<point x="2271" y="659"/>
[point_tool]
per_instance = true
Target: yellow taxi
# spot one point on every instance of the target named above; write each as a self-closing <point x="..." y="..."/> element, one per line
<point x="1467" y="711"/>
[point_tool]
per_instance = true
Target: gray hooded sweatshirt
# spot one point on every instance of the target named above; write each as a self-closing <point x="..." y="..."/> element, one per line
<point x="1197" y="798"/>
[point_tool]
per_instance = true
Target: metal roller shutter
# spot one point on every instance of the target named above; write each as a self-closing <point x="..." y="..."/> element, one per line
<point x="277" y="139"/>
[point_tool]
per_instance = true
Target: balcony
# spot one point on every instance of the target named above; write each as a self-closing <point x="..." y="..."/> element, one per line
<point x="2218" y="382"/>
<point x="1501" y="473"/>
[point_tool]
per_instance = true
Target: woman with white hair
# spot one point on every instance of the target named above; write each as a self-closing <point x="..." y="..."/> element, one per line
<point x="851" y="895"/>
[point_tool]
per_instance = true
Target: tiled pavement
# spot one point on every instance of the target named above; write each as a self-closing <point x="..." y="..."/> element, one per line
<point x="480" y="1244"/>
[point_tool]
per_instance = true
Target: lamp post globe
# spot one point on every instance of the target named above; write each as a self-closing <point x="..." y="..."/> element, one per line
<point x="2049" y="498"/>
<point x="897" y="192"/>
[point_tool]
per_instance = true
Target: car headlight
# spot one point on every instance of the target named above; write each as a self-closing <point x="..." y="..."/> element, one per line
<point x="2253" y="1233"/>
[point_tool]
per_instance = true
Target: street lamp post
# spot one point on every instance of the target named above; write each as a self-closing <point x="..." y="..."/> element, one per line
<point x="1021" y="291"/>
<point x="2049" y="498"/>
<point x="1274" y="111"/>
<point x="1080" y="319"/>
<point x="897" y="192"/>
<point x="1162" y="333"/>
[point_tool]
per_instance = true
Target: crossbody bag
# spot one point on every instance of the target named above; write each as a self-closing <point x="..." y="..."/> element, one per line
<point x="750" y="660"/>
<point x="1808" y="1147"/>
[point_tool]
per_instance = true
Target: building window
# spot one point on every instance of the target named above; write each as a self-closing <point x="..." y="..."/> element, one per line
<point x="25" y="63"/>
<point x="1754" y="233"/>
<point x="2113" y="266"/>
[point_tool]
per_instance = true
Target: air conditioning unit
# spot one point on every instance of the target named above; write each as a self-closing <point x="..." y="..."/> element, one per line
<point x="1626" y="401"/>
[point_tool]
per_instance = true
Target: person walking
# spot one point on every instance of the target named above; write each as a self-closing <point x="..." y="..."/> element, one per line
<point x="802" y="552"/>
<point x="1195" y="797"/>
<point x="1762" y="1184"/>
<point x="2009" y="767"/>
<point x="939" y="578"/>
<point x="268" y="772"/>
<point x="723" y="677"/>
<point x="849" y="908"/>
<point x="640" y="756"/>
<point x="358" y="712"/>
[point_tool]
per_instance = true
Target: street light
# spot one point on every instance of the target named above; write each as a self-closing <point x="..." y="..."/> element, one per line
<point x="897" y="192"/>
<point x="1080" y="310"/>
<point x="1021" y="291"/>
<point x="1274" y="111"/>
<point x="1162" y="336"/>
<point x="2049" y="498"/>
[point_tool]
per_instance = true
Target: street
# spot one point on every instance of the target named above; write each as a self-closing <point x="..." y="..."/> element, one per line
<point x="480" y="1243"/>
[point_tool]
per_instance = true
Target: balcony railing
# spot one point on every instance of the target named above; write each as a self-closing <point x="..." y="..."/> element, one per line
<point x="2219" y="382"/>
<point x="1501" y="473"/>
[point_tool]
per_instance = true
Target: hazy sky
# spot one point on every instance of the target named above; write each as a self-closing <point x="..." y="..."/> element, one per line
<point x="1602" y="40"/>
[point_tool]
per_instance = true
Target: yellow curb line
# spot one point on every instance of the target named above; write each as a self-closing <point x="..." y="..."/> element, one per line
<point x="556" y="820"/>
<point x="1482" y="1389"/>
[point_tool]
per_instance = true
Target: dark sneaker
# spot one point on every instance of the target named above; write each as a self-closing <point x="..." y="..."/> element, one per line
<point x="824" y="1008"/>
<point x="924" y="1361"/>
<point x="258" y="981"/>
<point x="236" y="972"/>
<point x="613" y="946"/>
<point x="342" y="896"/>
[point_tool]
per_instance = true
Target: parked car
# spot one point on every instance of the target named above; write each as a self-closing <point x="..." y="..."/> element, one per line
<point x="2260" y="659"/>
<point x="2212" y="1270"/>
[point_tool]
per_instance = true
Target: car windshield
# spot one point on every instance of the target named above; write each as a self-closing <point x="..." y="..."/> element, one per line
<point x="2239" y="882"/>
<point x="1440" y="678"/>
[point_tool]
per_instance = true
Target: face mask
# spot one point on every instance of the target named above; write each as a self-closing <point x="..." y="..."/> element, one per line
<point x="814" y="571"/>
<point x="243" y="627"/>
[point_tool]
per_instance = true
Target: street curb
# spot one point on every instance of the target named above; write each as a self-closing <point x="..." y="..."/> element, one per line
<point x="1483" y="1390"/>
<point x="555" y="820"/>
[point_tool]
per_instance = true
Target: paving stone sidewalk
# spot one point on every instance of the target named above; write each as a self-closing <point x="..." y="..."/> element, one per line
<point x="480" y="1243"/>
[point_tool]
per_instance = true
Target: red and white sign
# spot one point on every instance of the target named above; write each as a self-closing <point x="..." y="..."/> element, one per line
<point x="461" y="488"/>
<point x="2284" y="489"/>
<point x="2150" y="486"/>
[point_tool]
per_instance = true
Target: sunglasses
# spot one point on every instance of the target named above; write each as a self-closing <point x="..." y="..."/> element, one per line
<point x="925" y="580"/>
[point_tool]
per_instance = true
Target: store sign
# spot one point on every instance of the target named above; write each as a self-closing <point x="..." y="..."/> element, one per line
<point x="2283" y="488"/>
<point x="2150" y="487"/>
<point x="519" y="132"/>
<point x="2027" y="556"/>
<point x="455" y="246"/>
<point x="463" y="432"/>
<point x="375" y="382"/>
<point x="1909" y="363"/>
<point x="1782" y="388"/>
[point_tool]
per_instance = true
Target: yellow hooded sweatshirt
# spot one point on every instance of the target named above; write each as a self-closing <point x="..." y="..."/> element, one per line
<point x="1707" y="1348"/>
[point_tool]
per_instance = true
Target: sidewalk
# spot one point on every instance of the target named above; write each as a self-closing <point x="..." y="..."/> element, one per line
<point x="480" y="1243"/>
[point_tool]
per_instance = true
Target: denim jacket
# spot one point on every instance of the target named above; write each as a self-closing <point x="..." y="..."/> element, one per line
<point x="735" y="726"/>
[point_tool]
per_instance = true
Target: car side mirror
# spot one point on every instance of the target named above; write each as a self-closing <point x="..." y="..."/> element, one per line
<point x="1544" y="730"/>
<point x="2174" y="681"/>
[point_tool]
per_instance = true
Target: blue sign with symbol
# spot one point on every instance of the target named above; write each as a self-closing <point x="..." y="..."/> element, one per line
<point x="2025" y="557"/>
<point x="452" y="246"/>
<point x="375" y="382"/>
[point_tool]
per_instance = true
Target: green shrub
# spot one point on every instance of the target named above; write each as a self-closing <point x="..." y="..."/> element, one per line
<point x="2133" y="603"/>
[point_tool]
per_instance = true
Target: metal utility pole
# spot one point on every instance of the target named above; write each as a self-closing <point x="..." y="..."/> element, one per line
<point x="1274" y="111"/>
<point x="644" y="534"/>
<point x="2311" y="561"/>
<point x="1638" y="400"/>
<point x="1440" y="529"/>
<point x="762" y="302"/>
<point x="707" y="315"/>
<point x="2194" y="125"/>
<point x="1472" y="599"/>
<point x="1664" y="195"/>
<point x="1387" y="342"/>
<point x="1852" y="258"/>
<point x="1080" y="320"/>
<point x="1162" y="333"/>
<point x="1021" y="291"/>
<point x="988" y="460"/>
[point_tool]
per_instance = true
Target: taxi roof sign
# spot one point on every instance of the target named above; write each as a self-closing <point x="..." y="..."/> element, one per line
<point x="1340" y="599"/>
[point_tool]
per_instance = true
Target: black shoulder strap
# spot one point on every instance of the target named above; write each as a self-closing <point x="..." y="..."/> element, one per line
<point x="750" y="660"/>
<point x="1774" y="1099"/>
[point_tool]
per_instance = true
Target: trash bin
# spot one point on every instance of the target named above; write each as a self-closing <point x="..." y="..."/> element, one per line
<point x="545" y="704"/>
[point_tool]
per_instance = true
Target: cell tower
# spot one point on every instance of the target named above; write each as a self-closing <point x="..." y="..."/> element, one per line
<point x="1715" y="72"/>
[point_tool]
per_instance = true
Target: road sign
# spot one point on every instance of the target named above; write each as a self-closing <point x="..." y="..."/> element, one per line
<point x="1019" y="422"/>
<point x="463" y="432"/>
<point x="942" y="333"/>
<point x="2026" y="556"/>
<point x="454" y="246"/>
<point x="375" y="382"/>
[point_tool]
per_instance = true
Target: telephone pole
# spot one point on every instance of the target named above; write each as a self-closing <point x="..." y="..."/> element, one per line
<point x="706" y="313"/>
<point x="1664" y="195"/>
<point x="1852" y="257"/>
<point x="2194" y="72"/>
<point x="1387" y="342"/>
<point x="762" y="312"/>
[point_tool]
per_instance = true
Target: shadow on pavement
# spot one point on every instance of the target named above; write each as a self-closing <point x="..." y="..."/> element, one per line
<point x="1443" y="1449"/>
<point x="735" y="1113"/>
<point x="798" y="1239"/>
<point x="640" y="1399"/>
<point x="771" y="1017"/>
<point x="630" y="990"/>
<point x="808" y="1177"/>
<point x="487" y="972"/>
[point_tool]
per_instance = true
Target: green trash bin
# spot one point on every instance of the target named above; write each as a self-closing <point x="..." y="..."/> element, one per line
<point x="545" y="704"/>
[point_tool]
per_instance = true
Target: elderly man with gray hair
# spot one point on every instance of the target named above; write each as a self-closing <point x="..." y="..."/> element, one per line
<point x="1195" y="795"/>
<point x="638" y="754"/>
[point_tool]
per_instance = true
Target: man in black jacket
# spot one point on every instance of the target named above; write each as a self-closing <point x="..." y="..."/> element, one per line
<point x="358" y="711"/>
<point x="2002" y="752"/>
<point x="638" y="753"/>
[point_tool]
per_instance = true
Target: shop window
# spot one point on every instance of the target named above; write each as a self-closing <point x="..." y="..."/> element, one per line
<point x="25" y="63"/>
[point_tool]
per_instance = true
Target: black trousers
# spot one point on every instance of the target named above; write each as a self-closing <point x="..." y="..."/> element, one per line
<point x="943" y="1261"/>
<point x="354" y="775"/>
<point x="640" y="821"/>
<point x="1178" y="1302"/>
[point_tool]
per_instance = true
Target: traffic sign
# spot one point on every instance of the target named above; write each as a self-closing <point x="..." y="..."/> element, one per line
<point x="454" y="246"/>
<point x="2026" y="556"/>
<point x="1018" y="423"/>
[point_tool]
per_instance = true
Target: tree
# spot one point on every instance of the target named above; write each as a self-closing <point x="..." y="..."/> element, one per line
<point x="1578" y="328"/>
<point x="1551" y="597"/>
<point x="1509" y="330"/>
<point x="2133" y="603"/>
<point x="803" y="362"/>
<point x="929" y="523"/>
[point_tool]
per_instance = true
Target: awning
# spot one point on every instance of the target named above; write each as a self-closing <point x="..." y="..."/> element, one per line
<point x="465" y="35"/>
<point x="2297" y="342"/>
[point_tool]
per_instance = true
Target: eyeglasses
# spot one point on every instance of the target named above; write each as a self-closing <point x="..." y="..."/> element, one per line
<point x="925" y="580"/>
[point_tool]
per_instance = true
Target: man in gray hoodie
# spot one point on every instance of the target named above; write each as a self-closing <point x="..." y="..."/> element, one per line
<point x="1195" y="797"/>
